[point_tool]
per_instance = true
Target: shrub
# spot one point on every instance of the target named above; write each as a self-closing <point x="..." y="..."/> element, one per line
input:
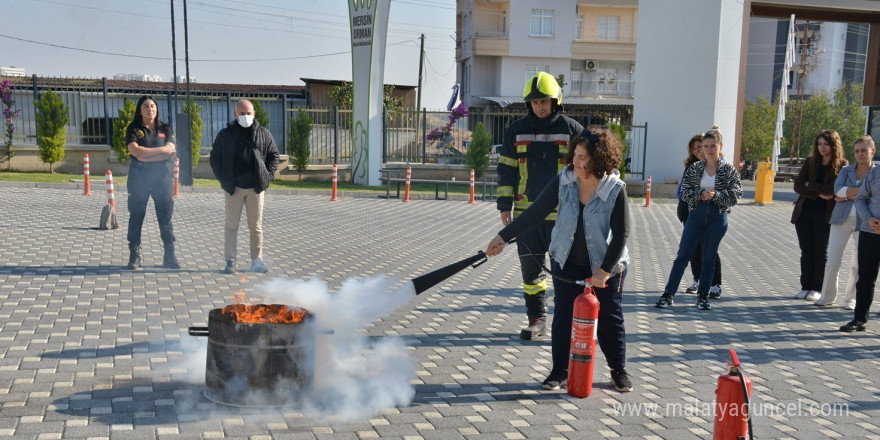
<point x="298" y="144"/>
<point x="260" y="114"/>
<point x="478" y="152"/>
<point x="620" y="132"/>
<point x="51" y="117"/>
<point x="193" y="109"/>
<point x="123" y="117"/>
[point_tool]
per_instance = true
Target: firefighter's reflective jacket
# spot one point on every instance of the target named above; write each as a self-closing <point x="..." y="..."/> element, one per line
<point x="533" y="153"/>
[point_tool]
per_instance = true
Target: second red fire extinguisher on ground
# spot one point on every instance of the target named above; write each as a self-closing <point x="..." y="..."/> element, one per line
<point x="582" y="355"/>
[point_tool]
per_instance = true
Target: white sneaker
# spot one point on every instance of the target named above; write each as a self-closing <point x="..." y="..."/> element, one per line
<point x="813" y="296"/>
<point x="693" y="287"/>
<point x="802" y="294"/>
<point x="850" y="305"/>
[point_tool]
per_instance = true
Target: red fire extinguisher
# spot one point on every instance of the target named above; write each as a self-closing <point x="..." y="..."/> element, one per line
<point x="582" y="354"/>
<point x="732" y="418"/>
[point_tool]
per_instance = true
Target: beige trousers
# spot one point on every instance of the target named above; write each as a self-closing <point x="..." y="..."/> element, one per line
<point x="253" y="202"/>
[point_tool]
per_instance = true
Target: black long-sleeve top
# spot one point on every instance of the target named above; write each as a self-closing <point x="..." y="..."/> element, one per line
<point x="548" y="200"/>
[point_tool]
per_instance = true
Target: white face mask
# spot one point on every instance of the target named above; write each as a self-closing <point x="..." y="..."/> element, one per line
<point x="245" y="120"/>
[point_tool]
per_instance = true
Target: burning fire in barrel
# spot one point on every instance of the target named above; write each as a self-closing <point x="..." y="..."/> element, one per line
<point x="258" y="355"/>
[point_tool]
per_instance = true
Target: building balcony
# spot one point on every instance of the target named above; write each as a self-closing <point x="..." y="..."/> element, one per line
<point x="491" y="46"/>
<point x="612" y="88"/>
<point x="606" y="50"/>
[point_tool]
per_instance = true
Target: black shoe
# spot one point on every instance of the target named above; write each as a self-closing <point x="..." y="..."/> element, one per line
<point x="703" y="303"/>
<point x="665" y="301"/>
<point x="556" y="380"/>
<point x="620" y="380"/>
<point x="134" y="257"/>
<point x="853" y="326"/>
<point x="170" y="260"/>
<point x="230" y="266"/>
<point x="537" y="327"/>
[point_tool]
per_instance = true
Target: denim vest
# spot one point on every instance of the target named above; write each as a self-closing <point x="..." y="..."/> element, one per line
<point x="846" y="177"/>
<point x="597" y="220"/>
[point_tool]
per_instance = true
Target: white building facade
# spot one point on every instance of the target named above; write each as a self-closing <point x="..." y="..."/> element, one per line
<point x="504" y="43"/>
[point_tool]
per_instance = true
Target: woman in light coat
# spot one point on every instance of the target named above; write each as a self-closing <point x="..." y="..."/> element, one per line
<point x="845" y="225"/>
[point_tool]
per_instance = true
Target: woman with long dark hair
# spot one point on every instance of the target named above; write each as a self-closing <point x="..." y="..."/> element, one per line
<point x="695" y="154"/>
<point x="710" y="187"/>
<point x="588" y="242"/>
<point x="812" y="211"/>
<point x="151" y="144"/>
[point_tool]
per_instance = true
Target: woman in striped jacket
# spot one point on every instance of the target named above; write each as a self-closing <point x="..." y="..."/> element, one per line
<point x="710" y="187"/>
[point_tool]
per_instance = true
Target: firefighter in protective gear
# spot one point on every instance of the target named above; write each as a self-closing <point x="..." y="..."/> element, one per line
<point x="532" y="154"/>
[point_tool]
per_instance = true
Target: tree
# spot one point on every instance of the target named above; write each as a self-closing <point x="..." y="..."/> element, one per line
<point x="619" y="131"/>
<point x="9" y="116"/>
<point x="561" y="80"/>
<point x="847" y="102"/>
<point x="123" y="117"/>
<point x="193" y="109"/>
<point x="51" y="116"/>
<point x="260" y="114"/>
<point x="343" y="96"/>
<point x="298" y="144"/>
<point x="477" y="156"/>
<point x="758" y="129"/>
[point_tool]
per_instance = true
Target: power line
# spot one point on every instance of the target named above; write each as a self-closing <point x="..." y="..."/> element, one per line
<point x="193" y="60"/>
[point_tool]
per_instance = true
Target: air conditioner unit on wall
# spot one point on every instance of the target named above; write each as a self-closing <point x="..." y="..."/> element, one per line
<point x="592" y="64"/>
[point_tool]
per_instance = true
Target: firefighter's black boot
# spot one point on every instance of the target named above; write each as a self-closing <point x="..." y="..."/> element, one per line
<point x="134" y="256"/>
<point x="536" y="309"/>
<point x="170" y="261"/>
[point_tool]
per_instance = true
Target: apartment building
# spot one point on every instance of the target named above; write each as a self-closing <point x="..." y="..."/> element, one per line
<point x="503" y="43"/>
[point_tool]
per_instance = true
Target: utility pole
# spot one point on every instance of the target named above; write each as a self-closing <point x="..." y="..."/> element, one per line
<point x="797" y="122"/>
<point x="174" y="65"/>
<point x="419" y="96"/>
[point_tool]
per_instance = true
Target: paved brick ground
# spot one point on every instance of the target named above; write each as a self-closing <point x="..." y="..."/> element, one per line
<point x="90" y="350"/>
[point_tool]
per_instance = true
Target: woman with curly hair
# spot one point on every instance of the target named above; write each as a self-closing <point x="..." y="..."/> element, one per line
<point x="710" y="187"/>
<point x="695" y="154"/>
<point x="813" y="209"/>
<point x="588" y="242"/>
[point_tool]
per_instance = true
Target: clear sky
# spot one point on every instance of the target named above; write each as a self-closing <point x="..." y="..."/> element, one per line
<point x="259" y="41"/>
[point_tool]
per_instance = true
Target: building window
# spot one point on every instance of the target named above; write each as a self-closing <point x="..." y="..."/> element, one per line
<point x="579" y="32"/>
<point x="533" y="70"/>
<point x="609" y="28"/>
<point x="542" y="23"/>
<point x="577" y="82"/>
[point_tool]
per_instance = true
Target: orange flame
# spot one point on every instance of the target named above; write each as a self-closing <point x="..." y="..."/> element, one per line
<point x="265" y="313"/>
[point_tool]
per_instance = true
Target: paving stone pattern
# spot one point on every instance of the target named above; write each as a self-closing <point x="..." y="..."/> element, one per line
<point x="88" y="350"/>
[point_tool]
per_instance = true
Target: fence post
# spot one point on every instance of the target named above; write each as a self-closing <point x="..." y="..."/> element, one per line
<point x="644" y="150"/>
<point x="284" y="123"/>
<point x="230" y="113"/>
<point x="106" y="113"/>
<point x="36" y="90"/>
<point x="384" y="135"/>
<point x="424" y="134"/>
<point x="335" y="134"/>
<point x="172" y="118"/>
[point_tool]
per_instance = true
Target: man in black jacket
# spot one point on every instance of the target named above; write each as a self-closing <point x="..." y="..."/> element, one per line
<point x="244" y="159"/>
<point x="532" y="154"/>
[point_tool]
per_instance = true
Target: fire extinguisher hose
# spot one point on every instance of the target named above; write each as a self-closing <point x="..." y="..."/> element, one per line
<point x="544" y="267"/>
<point x="742" y="381"/>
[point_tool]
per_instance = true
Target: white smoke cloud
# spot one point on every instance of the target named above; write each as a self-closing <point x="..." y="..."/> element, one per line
<point x="354" y="376"/>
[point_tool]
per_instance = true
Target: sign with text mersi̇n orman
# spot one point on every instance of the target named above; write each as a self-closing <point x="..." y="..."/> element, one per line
<point x="369" y="28"/>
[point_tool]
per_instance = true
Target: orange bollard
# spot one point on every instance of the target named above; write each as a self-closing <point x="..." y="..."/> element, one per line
<point x="176" y="178"/>
<point x="473" y="199"/>
<point x="408" y="177"/>
<point x="111" y="198"/>
<point x="333" y="192"/>
<point x="87" y="184"/>
<point x="648" y="193"/>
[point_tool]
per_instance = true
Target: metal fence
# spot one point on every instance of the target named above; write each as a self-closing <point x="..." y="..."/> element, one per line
<point x="93" y="110"/>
